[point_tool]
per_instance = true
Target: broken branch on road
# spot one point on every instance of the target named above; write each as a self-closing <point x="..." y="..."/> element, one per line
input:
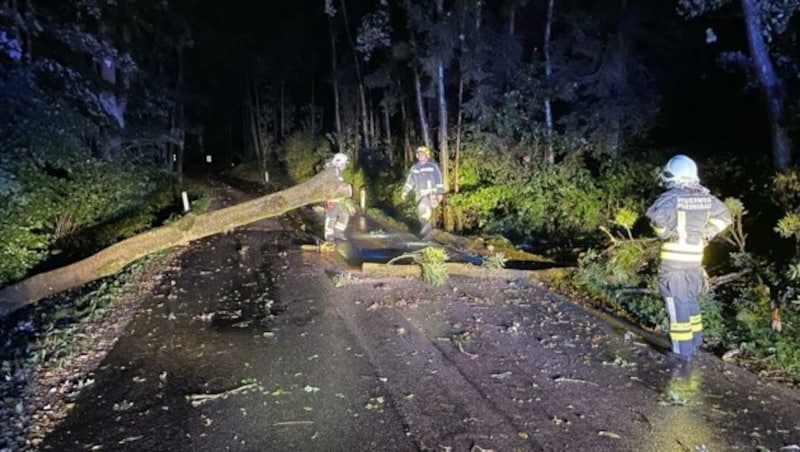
<point x="199" y="399"/>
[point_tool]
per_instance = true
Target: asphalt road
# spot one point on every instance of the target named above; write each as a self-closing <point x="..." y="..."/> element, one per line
<point x="250" y="344"/>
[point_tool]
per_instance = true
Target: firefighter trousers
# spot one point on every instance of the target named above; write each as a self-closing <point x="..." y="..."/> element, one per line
<point x="680" y="288"/>
<point x="336" y="219"/>
<point x="425" y="207"/>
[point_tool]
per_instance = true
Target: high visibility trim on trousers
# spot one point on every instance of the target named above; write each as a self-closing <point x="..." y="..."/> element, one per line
<point x="697" y="323"/>
<point x="680" y="336"/>
<point x="680" y="331"/>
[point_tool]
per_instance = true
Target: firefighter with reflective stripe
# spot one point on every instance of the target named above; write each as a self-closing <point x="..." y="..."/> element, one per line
<point x="337" y="211"/>
<point x="685" y="217"/>
<point x="425" y="179"/>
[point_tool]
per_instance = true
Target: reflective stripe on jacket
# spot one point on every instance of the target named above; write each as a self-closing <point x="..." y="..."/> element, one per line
<point x="686" y="219"/>
<point x="425" y="179"/>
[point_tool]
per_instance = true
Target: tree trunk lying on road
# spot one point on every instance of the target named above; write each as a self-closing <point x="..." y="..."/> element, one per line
<point x="109" y="261"/>
<point x="377" y="270"/>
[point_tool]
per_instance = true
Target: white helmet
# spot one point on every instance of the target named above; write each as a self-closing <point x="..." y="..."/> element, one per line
<point x="339" y="159"/>
<point x="680" y="171"/>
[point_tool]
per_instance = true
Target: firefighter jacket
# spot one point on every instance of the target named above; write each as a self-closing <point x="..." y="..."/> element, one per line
<point x="425" y="179"/>
<point x="686" y="218"/>
<point x="346" y="203"/>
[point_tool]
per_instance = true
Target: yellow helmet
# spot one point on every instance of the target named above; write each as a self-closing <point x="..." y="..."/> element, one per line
<point x="424" y="150"/>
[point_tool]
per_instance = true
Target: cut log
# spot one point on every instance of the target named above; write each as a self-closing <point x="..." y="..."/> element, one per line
<point x="377" y="270"/>
<point x="111" y="260"/>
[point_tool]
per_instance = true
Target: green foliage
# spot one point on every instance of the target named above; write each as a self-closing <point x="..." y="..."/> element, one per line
<point x="789" y="225"/>
<point x="304" y="155"/>
<point x="507" y="192"/>
<point x="62" y="192"/>
<point x="357" y="178"/>
<point x="738" y="315"/>
<point x="125" y="227"/>
<point x="645" y="307"/>
<point x="628" y="260"/>
<point x="626" y="218"/>
<point x="715" y="321"/>
<point x="495" y="262"/>
<point x="33" y="118"/>
<point x="431" y="260"/>
<point x="786" y="350"/>
<point x="626" y="183"/>
<point x="384" y="191"/>
<point x="736" y="207"/>
<point x="622" y="277"/>
<point x="200" y="203"/>
<point x="787" y="189"/>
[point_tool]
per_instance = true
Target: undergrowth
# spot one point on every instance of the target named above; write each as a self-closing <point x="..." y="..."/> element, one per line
<point x="751" y="307"/>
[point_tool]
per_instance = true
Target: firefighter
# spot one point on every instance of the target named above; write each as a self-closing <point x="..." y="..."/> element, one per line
<point x="337" y="211"/>
<point x="686" y="217"/>
<point x="425" y="179"/>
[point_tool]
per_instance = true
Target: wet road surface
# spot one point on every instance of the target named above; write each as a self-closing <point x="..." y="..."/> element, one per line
<point x="250" y="344"/>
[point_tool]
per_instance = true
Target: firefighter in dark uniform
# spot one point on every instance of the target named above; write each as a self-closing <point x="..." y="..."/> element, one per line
<point x="425" y="179"/>
<point x="337" y="211"/>
<point x="686" y="217"/>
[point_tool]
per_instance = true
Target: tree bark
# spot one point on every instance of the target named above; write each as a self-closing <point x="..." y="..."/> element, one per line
<point x="313" y="106"/>
<point x="407" y="157"/>
<point x="361" y="90"/>
<point x="378" y="270"/>
<point x="256" y="118"/>
<point x="770" y="85"/>
<point x="444" y="152"/>
<point x="548" y="70"/>
<point x="387" y="124"/>
<point x="335" y="81"/>
<point x="282" y="127"/>
<point x="423" y="121"/>
<point x="512" y="19"/>
<point x="459" y="131"/>
<point x="111" y="260"/>
<point x="457" y="211"/>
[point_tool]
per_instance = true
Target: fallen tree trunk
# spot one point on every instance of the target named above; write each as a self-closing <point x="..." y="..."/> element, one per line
<point x="378" y="270"/>
<point x="109" y="261"/>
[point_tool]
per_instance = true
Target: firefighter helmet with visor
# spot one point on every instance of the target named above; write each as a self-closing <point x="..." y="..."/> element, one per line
<point x="339" y="159"/>
<point x="680" y="171"/>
